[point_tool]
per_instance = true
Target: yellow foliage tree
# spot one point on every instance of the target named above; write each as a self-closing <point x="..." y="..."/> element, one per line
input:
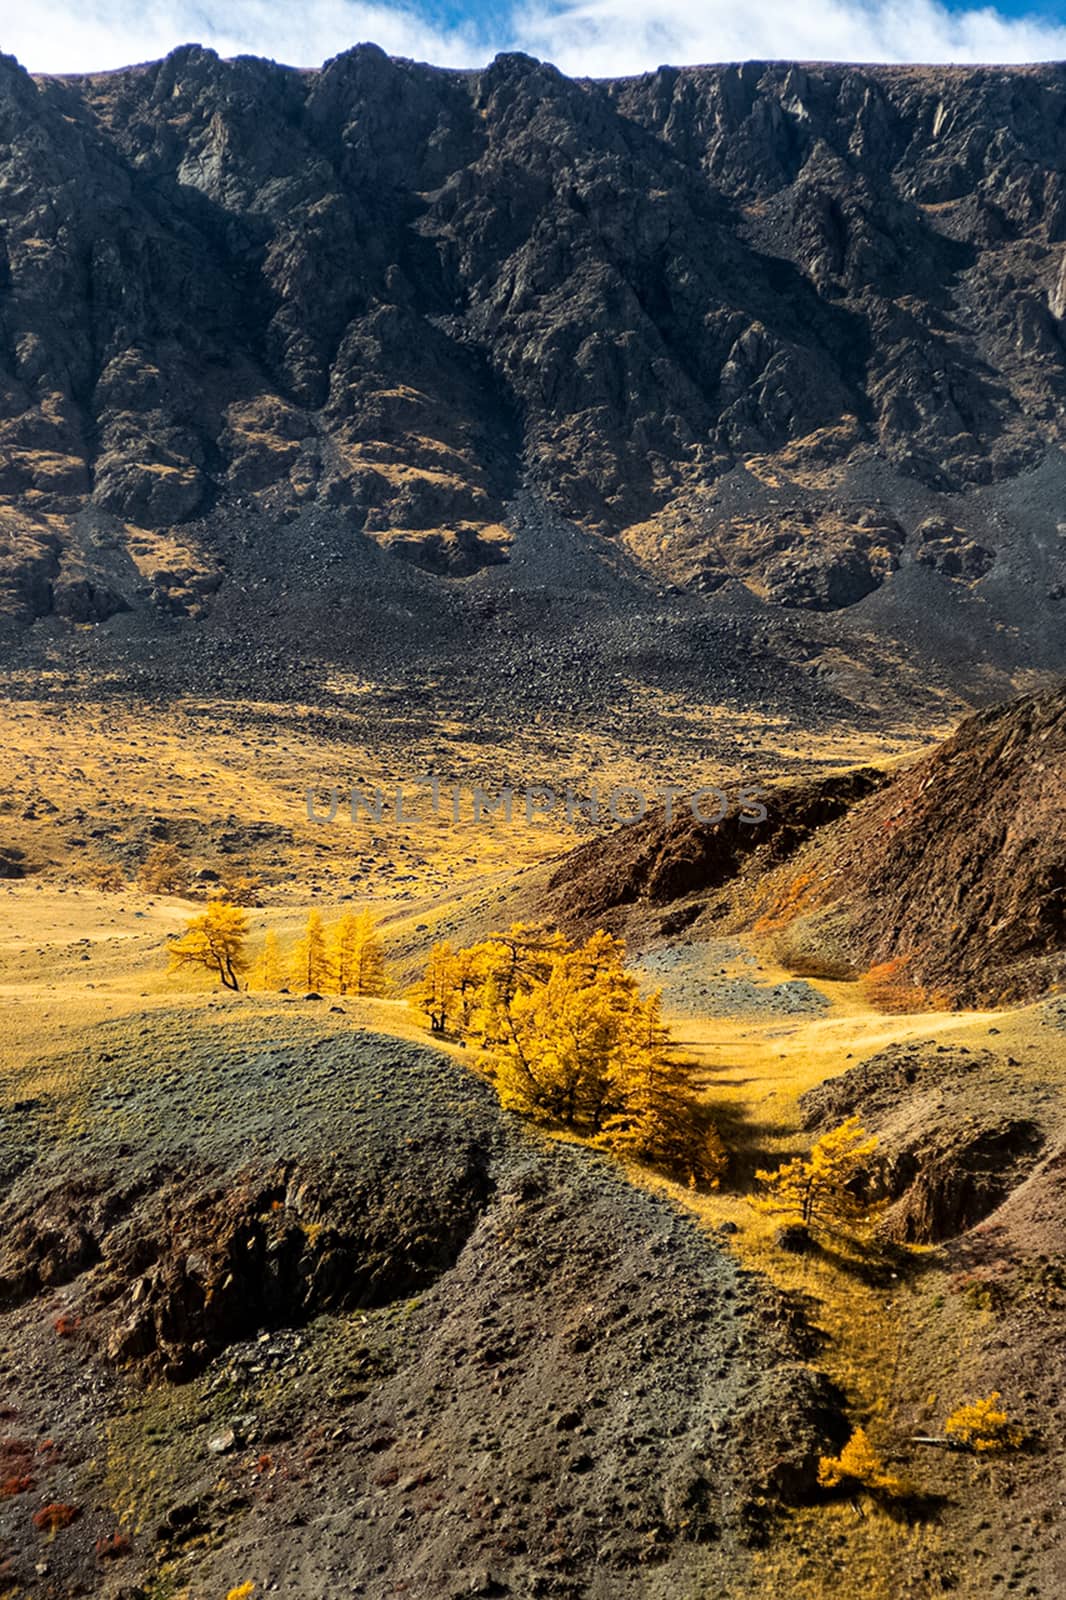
<point x="572" y="1042"/>
<point x="859" y="1466"/>
<point x="311" y="966"/>
<point x="358" y="957"/>
<point x="660" y="1120"/>
<point x="561" y="1035"/>
<point x="163" y="871"/>
<point x="240" y="888"/>
<point x="821" y="1190"/>
<point x="270" y="973"/>
<point x="489" y="976"/>
<point x="434" y="994"/>
<point x="984" y="1425"/>
<point x="215" y="940"/>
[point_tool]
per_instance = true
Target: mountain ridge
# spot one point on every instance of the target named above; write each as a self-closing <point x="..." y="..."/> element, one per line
<point x="787" y="327"/>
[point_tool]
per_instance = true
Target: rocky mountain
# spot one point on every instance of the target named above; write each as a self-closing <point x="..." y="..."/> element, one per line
<point x="795" y="329"/>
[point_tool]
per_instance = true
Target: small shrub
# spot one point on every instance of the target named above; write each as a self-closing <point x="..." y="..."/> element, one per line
<point x="18" y="1483"/>
<point x="243" y="1591"/>
<point x="858" y="1466"/>
<point x="107" y="876"/>
<point x="112" y="1546"/>
<point x="984" y="1426"/>
<point x="54" y="1516"/>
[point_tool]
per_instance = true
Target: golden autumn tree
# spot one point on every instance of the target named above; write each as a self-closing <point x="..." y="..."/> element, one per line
<point x="467" y="989"/>
<point x="560" y="1035"/>
<point x="311" y="966"/>
<point x="163" y="871"/>
<point x="858" y="1466"/>
<point x="358" y="956"/>
<point x="435" y="991"/>
<point x="269" y="970"/>
<point x="215" y="940"/>
<point x="660" y="1119"/>
<point x="824" y="1189"/>
<point x="490" y="975"/>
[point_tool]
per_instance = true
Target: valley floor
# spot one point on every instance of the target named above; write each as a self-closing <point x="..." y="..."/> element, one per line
<point x="907" y="1334"/>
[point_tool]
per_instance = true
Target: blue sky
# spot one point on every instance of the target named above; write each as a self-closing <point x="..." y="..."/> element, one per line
<point x="597" y="37"/>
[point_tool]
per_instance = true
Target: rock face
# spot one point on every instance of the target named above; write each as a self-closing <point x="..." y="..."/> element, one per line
<point x="948" y="877"/>
<point x="945" y="548"/>
<point x="658" y="861"/>
<point x="955" y="871"/>
<point x="758" y="320"/>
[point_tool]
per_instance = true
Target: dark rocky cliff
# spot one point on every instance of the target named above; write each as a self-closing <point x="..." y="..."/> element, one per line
<point x="796" y="326"/>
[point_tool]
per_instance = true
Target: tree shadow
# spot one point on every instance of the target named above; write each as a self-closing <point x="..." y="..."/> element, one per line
<point x="912" y="1507"/>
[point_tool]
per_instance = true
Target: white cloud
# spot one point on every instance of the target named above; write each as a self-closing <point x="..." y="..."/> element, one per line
<point x="91" y="35"/>
<point x="597" y="37"/>
<point x="605" y="37"/>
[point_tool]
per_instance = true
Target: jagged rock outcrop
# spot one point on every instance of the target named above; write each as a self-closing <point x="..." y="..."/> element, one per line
<point x="756" y="319"/>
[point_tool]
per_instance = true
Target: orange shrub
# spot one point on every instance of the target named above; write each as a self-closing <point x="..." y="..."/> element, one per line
<point x="112" y="1546"/>
<point x="54" y="1516"/>
<point x="794" y="899"/>
<point x="888" y="987"/>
